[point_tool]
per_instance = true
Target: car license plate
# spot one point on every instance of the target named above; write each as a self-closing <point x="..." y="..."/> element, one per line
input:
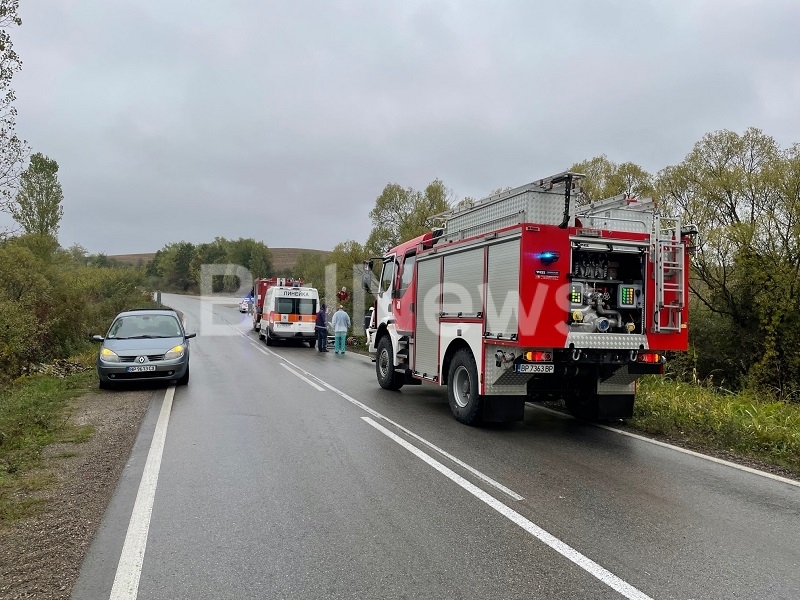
<point x="141" y="369"/>
<point x="535" y="368"/>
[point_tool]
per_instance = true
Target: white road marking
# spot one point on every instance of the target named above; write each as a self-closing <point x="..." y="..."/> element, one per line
<point x="485" y="478"/>
<point x="713" y="459"/>
<point x="587" y="564"/>
<point x="306" y="379"/>
<point x="129" y="568"/>
<point x="642" y="438"/>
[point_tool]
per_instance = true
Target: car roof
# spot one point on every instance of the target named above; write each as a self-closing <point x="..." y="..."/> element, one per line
<point x="148" y="311"/>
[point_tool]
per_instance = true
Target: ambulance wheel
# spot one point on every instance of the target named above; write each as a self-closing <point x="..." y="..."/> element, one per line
<point x="260" y="334"/>
<point x="463" y="388"/>
<point x="268" y="339"/>
<point x="388" y="378"/>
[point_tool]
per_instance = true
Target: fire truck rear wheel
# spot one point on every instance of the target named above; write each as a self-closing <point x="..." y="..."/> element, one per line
<point x="582" y="401"/>
<point x="388" y="378"/>
<point x="463" y="388"/>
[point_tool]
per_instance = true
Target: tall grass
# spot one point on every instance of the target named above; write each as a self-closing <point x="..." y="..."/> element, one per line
<point x="758" y="426"/>
<point x="33" y="413"/>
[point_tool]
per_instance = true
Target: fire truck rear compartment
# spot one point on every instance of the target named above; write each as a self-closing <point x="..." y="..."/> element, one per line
<point x="606" y="292"/>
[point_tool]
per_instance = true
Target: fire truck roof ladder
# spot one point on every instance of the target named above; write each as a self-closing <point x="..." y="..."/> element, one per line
<point x="529" y="201"/>
<point x="622" y="201"/>
<point x="668" y="261"/>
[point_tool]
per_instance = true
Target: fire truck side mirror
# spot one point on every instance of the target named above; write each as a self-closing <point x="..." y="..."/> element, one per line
<point x="366" y="276"/>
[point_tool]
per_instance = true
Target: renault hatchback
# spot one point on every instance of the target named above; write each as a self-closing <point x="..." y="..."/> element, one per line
<point x="144" y="345"/>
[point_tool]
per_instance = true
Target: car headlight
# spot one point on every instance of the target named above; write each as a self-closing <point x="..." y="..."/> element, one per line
<point x="107" y="355"/>
<point x="174" y="353"/>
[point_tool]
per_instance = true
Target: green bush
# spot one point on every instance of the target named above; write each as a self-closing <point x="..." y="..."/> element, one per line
<point x="52" y="301"/>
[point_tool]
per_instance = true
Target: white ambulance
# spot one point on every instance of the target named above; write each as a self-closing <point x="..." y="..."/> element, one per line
<point x="289" y="313"/>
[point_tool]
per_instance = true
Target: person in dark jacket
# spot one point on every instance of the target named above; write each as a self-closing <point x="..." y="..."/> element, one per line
<point x="322" y="328"/>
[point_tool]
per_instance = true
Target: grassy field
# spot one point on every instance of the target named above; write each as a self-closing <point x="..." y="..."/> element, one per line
<point x="282" y="258"/>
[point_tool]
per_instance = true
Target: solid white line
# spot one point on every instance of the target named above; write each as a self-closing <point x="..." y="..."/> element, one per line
<point x="714" y="459"/>
<point x="129" y="568"/>
<point x="556" y="544"/>
<point x="485" y="478"/>
<point x="306" y="379"/>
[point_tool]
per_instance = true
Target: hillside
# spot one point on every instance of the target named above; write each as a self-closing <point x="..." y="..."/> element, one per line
<point x="282" y="258"/>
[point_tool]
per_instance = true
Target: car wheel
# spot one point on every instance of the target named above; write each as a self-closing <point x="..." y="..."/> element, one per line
<point x="185" y="379"/>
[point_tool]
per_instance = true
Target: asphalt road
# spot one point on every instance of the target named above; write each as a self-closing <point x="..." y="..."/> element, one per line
<point x="286" y="473"/>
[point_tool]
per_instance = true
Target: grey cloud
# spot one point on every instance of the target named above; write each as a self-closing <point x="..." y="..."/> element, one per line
<point x="283" y="121"/>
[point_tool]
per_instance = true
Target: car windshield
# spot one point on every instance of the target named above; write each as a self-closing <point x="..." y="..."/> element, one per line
<point x="144" y="326"/>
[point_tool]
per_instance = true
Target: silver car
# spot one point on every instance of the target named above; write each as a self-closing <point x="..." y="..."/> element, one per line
<point x="144" y="345"/>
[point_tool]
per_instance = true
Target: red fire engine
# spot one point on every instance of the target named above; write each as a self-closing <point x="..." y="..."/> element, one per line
<point x="524" y="296"/>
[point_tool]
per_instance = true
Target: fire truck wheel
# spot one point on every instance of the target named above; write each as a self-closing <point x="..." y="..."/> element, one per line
<point x="583" y="403"/>
<point x="388" y="378"/>
<point x="463" y="387"/>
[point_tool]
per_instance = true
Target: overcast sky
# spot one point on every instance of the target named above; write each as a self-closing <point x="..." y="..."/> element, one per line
<point x="283" y="121"/>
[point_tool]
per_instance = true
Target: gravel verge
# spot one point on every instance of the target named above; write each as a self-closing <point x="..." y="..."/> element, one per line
<point x="41" y="556"/>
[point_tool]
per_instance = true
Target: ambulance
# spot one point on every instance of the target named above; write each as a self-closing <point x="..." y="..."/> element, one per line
<point x="289" y="313"/>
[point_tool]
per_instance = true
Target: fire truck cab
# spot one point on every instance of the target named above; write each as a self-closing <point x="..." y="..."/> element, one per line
<point x="524" y="296"/>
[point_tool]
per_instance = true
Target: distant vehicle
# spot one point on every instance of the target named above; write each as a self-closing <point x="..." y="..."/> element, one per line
<point x="244" y="305"/>
<point x="144" y="345"/>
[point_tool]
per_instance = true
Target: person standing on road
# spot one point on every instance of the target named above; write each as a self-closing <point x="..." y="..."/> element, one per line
<point x="322" y="328"/>
<point x="341" y="323"/>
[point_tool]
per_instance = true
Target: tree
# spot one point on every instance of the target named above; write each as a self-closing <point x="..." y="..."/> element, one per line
<point x="401" y="214"/>
<point x="38" y="204"/>
<point x="12" y="149"/>
<point x="173" y="265"/>
<point x="605" y="179"/>
<point x="743" y="193"/>
<point x="310" y="267"/>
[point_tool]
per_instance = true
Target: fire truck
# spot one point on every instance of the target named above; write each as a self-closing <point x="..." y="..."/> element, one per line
<point x="284" y="309"/>
<point x="525" y="296"/>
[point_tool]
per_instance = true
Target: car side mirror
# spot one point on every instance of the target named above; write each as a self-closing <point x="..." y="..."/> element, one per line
<point x="189" y="336"/>
<point x="97" y="338"/>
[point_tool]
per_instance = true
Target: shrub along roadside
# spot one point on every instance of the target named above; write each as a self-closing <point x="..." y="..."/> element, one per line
<point x="747" y="424"/>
